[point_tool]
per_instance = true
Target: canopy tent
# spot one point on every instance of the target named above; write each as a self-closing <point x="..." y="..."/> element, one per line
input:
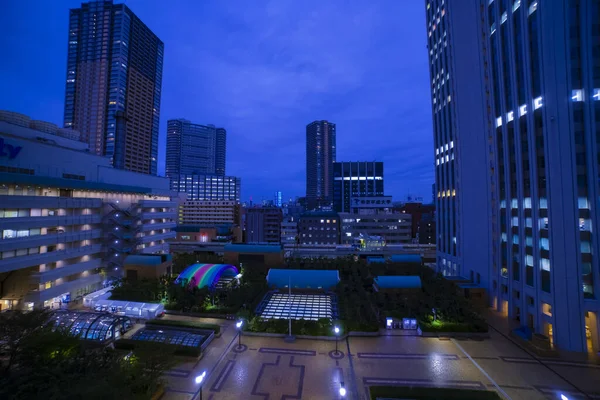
<point x="96" y="326"/>
<point x="130" y="308"/>
<point x="203" y="275"/>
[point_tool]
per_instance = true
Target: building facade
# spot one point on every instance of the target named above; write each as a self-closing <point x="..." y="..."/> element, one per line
<point x="426" y="229"/>
<point x="539" y="74"/>
<point x="353" y="180"/>
<point x="263" y="224"/>
<point x="194" y="149"/>
<point x="417" y="210"/>
<point x="392" y="228"/>
<point x="113" y="84"/>
<point x="208" y="187"/>
<point x="66" y="215"/>
<point x="320" y="156"/>
<point x="319" y="229"/>
<point x="209" y="213"/>
<point x="289" y="232"/>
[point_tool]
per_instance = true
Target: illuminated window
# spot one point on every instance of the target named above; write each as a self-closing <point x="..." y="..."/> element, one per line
<point x="516" y="5"/>
<point x="498" y="122"/>
<point x="596" y="95"/>
<point x="522" y="110"/>
<point x="504" y="18"/>
<point x="537" y="103"/>
<point x="577" y="95"/>
<point x="510" y="116"/>
<point x="533" y="7"/>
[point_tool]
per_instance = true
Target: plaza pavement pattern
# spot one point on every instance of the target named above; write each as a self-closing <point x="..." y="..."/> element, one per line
<point x="271" y="369"/>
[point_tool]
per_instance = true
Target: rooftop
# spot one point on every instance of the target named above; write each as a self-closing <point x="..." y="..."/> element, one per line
<point x="252" y="248"/>
<point x="406" y="258"/>
<point x="398" y="282"/>
<point x="303" y="279"/>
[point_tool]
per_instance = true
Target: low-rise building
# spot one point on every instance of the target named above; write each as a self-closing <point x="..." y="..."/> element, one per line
<point x="393" y="228"/>
<point x="289" y="232"/>
<point x="67" y="215"/>
<point x="263" y="224"/>
<point x="209" y="213"/>
<point x="319" y="228"/>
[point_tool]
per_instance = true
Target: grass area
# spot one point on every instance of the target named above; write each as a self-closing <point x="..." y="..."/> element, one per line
<point x="184" y="324"/>
<point x="421" y="393"/>
<point x="186" y="351"/>
<point x="440" y="326"/>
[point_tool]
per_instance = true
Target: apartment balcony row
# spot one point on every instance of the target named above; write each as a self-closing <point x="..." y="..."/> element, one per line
<point x="48" y="202"/>
<point x="49" y="221"/>
<point x="158" y="225"/>
<point x="157" y="248"/>
<point x="66" y="270"/>
<point x="157" y="203"/>
<point x="146" y="215"/>
<point x="20" y="262"/>
<point x="158" y="236"/>
<point x="49" y="239"/>
<point x="39" y="296"/>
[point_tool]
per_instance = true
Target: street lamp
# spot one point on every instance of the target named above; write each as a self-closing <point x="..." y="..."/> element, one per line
<point x="199" y="379"/>
<point x="342" y="390"/>
<point x="336" y="330"/>
<point x="238" y="326"/>
<point x="563" y="397"/>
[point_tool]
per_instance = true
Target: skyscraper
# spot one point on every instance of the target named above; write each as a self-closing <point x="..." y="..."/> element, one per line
<point x="320" y="156"/>
<point x="519" y="105"/>
<point x="194" y="148"/>
<point x="113" y="84"/>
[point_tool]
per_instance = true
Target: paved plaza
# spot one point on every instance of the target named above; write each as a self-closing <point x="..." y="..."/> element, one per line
<point x="271" y="369"/>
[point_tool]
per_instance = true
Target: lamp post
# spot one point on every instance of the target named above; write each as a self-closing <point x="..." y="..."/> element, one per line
<point x="336" y="330"/>
<point x="342" y="390"/>
<point x="238" y="326"/>
<point x="199" y="379"/>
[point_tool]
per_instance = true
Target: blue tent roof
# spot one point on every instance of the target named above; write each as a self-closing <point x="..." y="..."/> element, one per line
<point x="412" y="258"/>
<point x="378" y="260"/>
<point x="398" y="282"/>
<point x="303" y="278"/>
<point x="252" y="248"/>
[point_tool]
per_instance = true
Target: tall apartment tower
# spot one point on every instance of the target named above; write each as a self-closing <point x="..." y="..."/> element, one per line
<point x="320" y="156"/>
<point x="195" y="149"/>
<point x="113" y="84"/>
<point x="535" y="88"/>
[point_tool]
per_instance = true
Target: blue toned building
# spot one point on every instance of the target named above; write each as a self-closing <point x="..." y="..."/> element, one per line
<point x="516" y="99"/>
<point x="68" y="219"/>
<point x="355" y="180"/>
<point x="320" y="156"/>
<point x="113" y="84"/>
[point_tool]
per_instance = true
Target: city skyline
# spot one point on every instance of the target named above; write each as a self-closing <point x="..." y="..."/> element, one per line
<point x="261" y="83"/>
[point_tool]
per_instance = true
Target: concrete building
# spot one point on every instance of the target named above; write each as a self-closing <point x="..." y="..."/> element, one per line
<point x="25" y="121"/>
<point x="320" y="156"/>
<point x="353" y="180"/>
<point x="208" y="187"/>
<point x="113" y="84"/>
<point x="209" y="213"/>
<point x="393" y="228"/>
<point x="319" y="229"/>
<point x="426" y="229"/>
<point x="194" y="149"/>
<point x="289" y="232"/>
<point x="66" y="215"/>
<point x="416" y="210"/>
<point x="263" y="224"/>
<point x="147" y="266"/>
<point x="254" y="256"/>
<point x="521" y="97"/>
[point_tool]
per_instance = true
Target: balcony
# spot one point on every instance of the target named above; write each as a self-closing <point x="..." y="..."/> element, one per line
<point x="50" y="239"/>
<point x="39" y="296"/>
<point x="156" y="248"/>
<point x="48" y="202"/>
<point x="159" y="215"/>
<point x="49" y="221"/>
<point x="158" y="236"/>
<point x="53" y="274"/>
<point x="157" y="203"/>
<point x="159" y="225"/>
<point x="14" y="263"/>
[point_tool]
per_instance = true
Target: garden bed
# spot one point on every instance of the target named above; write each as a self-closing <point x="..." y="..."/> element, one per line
<point x="438" y="326"/>
<point x="184" y="324"/>
<point x="424" y="393"/>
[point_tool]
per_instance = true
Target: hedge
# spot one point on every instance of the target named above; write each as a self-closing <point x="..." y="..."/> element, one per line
<point x="437" y="326"/>
<point x="423" y="393"/>
<point x="130" y="344"/>
<point x="184" y="324"/>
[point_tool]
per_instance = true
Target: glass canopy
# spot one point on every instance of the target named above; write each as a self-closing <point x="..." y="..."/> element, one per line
<point x="96" y="326"/>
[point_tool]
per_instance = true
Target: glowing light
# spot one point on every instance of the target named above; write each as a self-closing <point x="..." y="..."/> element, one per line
<point x="200" y="378"/>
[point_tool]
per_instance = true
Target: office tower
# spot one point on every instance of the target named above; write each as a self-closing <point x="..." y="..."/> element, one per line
<point x="208" y="187"/>
<point x="278" y="201"/>
<point x="68" y="219"/>
<point x="113" y="84"/>
<point x="534" y="84"/>
<point x="352" y="180"/>
<point x="194" y="148"/>
<point x="263" y="225"/>
<point x="320" y="156"/>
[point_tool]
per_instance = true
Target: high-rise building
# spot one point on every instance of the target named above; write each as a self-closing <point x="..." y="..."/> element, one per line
<point x="522" y="98"/>
<point x="352" y="180"/>
<point x="263" y="225"/>
<point x="208" y="187"/>
<point x="195" y="149"/>
<point x="320" y="156"/>
<point x="113" y="84"/>
<point x="278" y="201"/>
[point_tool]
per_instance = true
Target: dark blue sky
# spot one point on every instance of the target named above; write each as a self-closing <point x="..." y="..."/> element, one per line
<point x="263" y="70"/>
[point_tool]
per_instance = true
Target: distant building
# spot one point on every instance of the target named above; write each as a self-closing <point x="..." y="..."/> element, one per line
<point x="195" y="149"/>
<point x="209" y="213"/>
<point x="352" y="180"/>
<point x="254" y="256"/>
<point x="41" y="126"/>
<point x="393" y="228"/>
<point x="277" y="202"/>
<point x="208" y="187"/>
<point x="320" y="156"/>
<point x="113" y="84"/>
<point x="417" y="210"/>
<point x="289" y="231"/>
<point x="209" y="234"/>
<point x="426" y="229"/>
<point x="263" y="225"/>
<point x="319" y="229"/>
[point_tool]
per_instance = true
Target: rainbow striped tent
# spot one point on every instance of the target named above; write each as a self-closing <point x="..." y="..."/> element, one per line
<point x="206" y="274"/>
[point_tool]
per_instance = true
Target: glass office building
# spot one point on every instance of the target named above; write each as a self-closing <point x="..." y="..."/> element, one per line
<point x="208" y="187"/>
<point x="355" y="179"/>
<point x="320" y="156"/>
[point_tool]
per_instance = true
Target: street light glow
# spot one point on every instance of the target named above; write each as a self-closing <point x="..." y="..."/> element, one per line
<point x="239" y="324"/>
<point x="343" y="391"/>
<point x="336" y="330"/>
<point x="563" y="397"/>
<point x="200" y="377"/>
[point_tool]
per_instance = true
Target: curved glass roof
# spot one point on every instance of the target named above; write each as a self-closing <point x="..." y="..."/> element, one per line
<point x="97" y="326"/>
<point x="169" y="336"/>
<point x="206" y="274"/>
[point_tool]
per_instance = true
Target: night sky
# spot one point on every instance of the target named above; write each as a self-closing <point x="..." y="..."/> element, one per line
<point x="263" y="70"/>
